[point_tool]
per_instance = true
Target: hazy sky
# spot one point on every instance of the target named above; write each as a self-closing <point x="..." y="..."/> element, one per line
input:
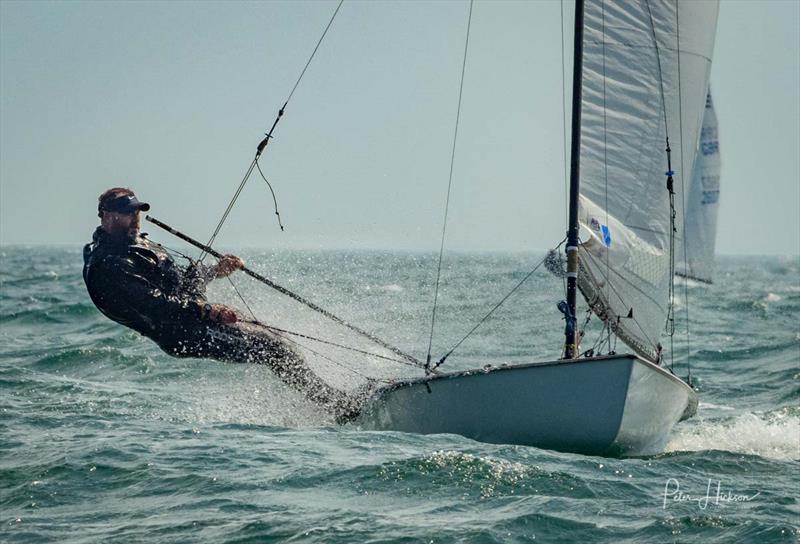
<point x="171" y="98"/>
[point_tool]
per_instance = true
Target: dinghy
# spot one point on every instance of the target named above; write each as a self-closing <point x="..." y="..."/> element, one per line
<point x="605" y="405"/>
<point x="640" y="80"/>
<point x="641" y="73"/>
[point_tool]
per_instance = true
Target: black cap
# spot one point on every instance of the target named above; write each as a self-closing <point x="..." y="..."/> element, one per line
<point x="124" y="204"/>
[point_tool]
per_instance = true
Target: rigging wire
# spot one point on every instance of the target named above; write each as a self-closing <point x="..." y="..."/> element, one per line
<point x="335" y="344"/>
<point x="256" y="321"/>
<point x="670" y="321"/>
<point x="502" y="301"/>
<point x="236" y="289"/>
<point x="660" y="75"/>
<point x="332" y="361"/>
<point x="683" y="193"/>
<point x="255" y="165"/>
<point x="350" y="348"/>
<point x="605" y="150"/>
<point x="314" y="52"/>
<point x="292" y="295"/>
<point x="262" y="145"/>
<point x="228" y="209"/>
<point x="449" y="186"/>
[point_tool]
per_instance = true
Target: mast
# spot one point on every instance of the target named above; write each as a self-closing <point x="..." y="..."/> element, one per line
<point x="570" y="330"/>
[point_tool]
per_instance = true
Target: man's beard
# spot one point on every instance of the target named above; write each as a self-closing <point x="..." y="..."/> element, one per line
<point x="128" y="235"/>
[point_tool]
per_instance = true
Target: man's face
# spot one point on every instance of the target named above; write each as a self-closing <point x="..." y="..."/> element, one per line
<point x="122" y="224"/>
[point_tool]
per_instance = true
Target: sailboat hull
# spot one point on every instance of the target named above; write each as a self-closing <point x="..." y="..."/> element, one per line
<point x="612" y="405"/>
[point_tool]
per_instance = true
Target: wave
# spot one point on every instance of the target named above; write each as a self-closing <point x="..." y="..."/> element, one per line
<point x="772" y="434"/>
<point x="55" y="314"/>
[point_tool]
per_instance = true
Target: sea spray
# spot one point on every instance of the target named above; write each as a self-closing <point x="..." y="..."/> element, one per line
<point x="105" y="438"/>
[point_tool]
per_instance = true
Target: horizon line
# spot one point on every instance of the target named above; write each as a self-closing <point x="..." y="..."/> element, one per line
<point x="65" y="245"/>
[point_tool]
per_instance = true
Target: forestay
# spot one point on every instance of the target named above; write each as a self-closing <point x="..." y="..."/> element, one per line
<point x="702" y="203"/>
<point x="637" y="90"/>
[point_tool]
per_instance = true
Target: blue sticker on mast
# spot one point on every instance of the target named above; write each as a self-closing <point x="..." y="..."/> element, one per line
<point x="606" y="235"/>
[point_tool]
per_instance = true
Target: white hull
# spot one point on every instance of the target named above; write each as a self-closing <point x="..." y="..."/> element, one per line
<point x="612" y="405"/>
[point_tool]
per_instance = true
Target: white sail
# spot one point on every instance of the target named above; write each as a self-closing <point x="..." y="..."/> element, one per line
<point x="702" y="204"/>
<point x="646" y="67"/>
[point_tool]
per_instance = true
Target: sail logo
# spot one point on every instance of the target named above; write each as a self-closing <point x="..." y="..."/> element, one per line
<point x="709" y="133"/>
<point x="710" y="183"/>
<point x="710" y="148"/>
<point x="710" y="197"/>
<point x="602" y="230"/>
<point x="606" y="235"/>
<point x="709" y="140"/>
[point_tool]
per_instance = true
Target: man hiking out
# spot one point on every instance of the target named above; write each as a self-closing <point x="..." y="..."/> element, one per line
<point x="135" y="282"/>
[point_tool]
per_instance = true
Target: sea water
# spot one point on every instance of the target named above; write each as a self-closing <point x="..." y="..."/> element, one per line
<point x="104" y="438"/>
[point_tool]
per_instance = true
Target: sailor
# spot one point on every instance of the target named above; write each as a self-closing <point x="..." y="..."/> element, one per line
<point x="136" y="283"/>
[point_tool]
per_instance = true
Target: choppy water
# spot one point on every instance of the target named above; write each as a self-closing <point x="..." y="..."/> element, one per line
<point x="105" y="438"/>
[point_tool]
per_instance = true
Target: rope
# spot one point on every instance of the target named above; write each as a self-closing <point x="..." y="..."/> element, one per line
<point x="502" y="301"/>
<point x="265" y="141"/>
<point x="290" y="294"/>
<point x="330" y="343"/>
<point x="256" y="321"/>
<point x="249" y="309"/>
<point x="449" y="186"/>
<point x="333" y="361"/>
<point x="274" y="200"/>
<point x="598" y="343"/>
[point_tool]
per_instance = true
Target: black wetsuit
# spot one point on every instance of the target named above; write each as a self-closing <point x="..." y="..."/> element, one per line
<point x="138" y="284"/>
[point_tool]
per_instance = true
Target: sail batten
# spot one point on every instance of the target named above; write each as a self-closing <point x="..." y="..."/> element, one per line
<point x="646" y="66"/>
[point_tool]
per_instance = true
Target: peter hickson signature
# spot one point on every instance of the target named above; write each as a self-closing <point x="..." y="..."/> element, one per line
<point x="714" y="494"/>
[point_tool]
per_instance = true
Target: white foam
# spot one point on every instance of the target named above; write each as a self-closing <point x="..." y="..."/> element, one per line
<point x="393" y="288"/>
<point x="690" y="283"/>
<point x="775" y="435"/>
<point x="711" y="406"/>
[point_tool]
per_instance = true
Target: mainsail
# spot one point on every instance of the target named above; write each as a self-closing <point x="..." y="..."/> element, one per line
<point x="646" y="67"/>
<point x="702" y="204"/>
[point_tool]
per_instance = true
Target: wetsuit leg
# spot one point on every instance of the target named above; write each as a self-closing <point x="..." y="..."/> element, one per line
<point x="249" y="343"/>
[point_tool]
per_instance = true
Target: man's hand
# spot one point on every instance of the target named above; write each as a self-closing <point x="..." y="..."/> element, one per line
<point x="221" y="314"/>
<point x="227" y="265"/>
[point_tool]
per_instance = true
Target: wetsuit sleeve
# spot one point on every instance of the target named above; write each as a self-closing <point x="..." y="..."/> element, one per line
<point x="126" y="289"/>
<point x="196" y="277"/>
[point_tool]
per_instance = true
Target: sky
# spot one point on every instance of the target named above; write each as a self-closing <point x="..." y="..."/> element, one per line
<point x="171" y="99"/>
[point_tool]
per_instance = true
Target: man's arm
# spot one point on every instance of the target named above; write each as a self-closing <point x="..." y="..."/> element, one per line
<point x="148" y="299"/>
<point x="126" y="292"/>
<point x="198" y="275"/>
<point x="227" y="265"/>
